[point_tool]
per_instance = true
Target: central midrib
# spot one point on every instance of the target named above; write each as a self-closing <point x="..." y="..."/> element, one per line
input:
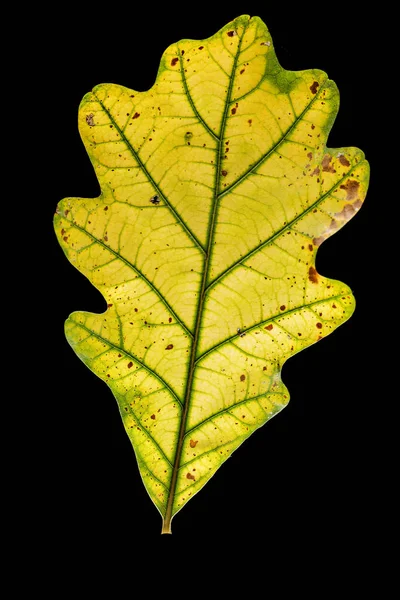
<point x="200" y="306"/>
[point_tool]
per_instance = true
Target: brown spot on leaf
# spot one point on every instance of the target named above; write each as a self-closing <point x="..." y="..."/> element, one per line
<point x="264" y="368"/>
<point x="351" y="187"/>
<point x="319" y="325"/>
<point x="250" y="122"/>
<point x="242" y="71"/>
<point x="312" y="126"/>
<point x="333" y="305"/>
<point x="309" y="155"/>
<point x="315" y="172"/>
<point x="169" y="347"/>
<point x="136" y="115"/>
<point x="193" y="443"/>
<point x="312" y="275"/>
<point x="62" y="231"/>
<point x="224" y="173"/>
<point x="314" y="87"/>
<point x="155" y="200"/>
<point x="153" y="417"/>
<point x="231" y="33"/>
<point x="106" y="208"/>
<point x="130" y="365"/>
<point x="269" y="327"/>
<point x="170" y="320"/>
<point x="89" y="120"/>
<point x="310" y="247"/>
<point x="282" y="307"/>
<point x="242" y="377"/>
<point x="65" y="238"/>
<point x="109" y="305"/>
<point x="189" y="476"/>
<point x="201" y="47"/>
<point x="174" y="61"/>
<point x="343" y="160"/>
<point x="233" y="110"/>
<point x="326" y="166"/>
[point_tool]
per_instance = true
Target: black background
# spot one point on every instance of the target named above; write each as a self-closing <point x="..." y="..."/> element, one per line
<point x="310" y="472"/>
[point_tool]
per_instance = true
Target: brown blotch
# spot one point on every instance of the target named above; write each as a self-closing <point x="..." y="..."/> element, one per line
<point x="326" y="166"/>
<point x="233" y="111"/>
<point x="315" y="172"/>
<point x="314" y="87"/>
<point x="312" y="275"/>
<point x="224" y="173"/>
<point x="201" y="47"/>
<point x="109" y="305"/>
<point x="351" y="188"/>
<point x="231" y="33"/>
<point x="310" y="247"/>
<point x="174" y="61"/>
<point x="189" y="476"/>
<point x="343" y="160"/>
<point x="264" y="368"/>
<point x="130" y="365"/>
<point x="65" y="238"/>
<point x="153" y="417"/>
<point x="334" y="306"/>
<point x="319" y="325"/>
<point x="136" y="115"/>
<point x="242" y="71"/>
<point x="62" y="231"/>
<point x="106" y="208"/>
<point x="312" y="126"/>
<point x="269" y="327"/>
<point x="242" y="377"/>
<point x="250" y="122"/>
<point x="170" y="320"/>
<point x="106" y="238"/>
<point x="89" y="120"/>
<point x="282" y="307"/>
<point x="193" y="443"/>
<point x="309" y="155"/>
<point x="169" y="347"/>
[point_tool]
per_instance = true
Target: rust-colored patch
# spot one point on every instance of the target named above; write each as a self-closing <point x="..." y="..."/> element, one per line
<point x="65" y="238"/>
<point x="193" y="443"/>
<point x="130" y="365"/>
<point x="153" y="417"/>
<point x="174" y="61"/>
<point x="310" y="247"/>
<point x="326" y="164"/>
<point x="169" y="347"/>
<point x="319" y="325"/>
<point x="314" y="87"/>
<point x="136" y="115"/>
<point x="89" y="120"/>
<point x="312" y="275"/>
<point x="224" y="173"/>
<point x="282" y="307"/>
<point x="315" y="172"/>
<point x="269" y="327"/>
<point x="334" y="306"/>
<point x="189" y="476"/>
<point x="351" y="187"/>
<point x="109" y="305"/>
<point x="250" y="122"/>
<point x="309" y="155"/>
<point x="343" y="160"/>
<point x="242" y="377"/>
<point x="233" y="111"/>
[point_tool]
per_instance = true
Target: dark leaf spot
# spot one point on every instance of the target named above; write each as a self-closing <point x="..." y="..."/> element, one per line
<point x="136" y="115"/>
<point x="233" y="111"/>
<point x="242" y="71"/>
<point x="169" y="347"/>
<point x="89" y="120"/>
<point x="155" y="200"/>
<point x="269" y="327"/>
<point x="130" y="365"/>
<point x="189" y="476"/>
<point x="326" y="166"/>
<point x="314" y="87"/>
<point x="153" y="417"/>
<point x="193" y="443"/>
<point x="242" y="377"/>
<point x="343" y="160"/>
<point x="319" y="325"/>
<point x="224" y="173"/>
<point x="174" y="61"/>
<point x="351" y="188"/>
<point x="282" y="307"/>
<point x="312" y="275"/>
<point x="310" y="247"/>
